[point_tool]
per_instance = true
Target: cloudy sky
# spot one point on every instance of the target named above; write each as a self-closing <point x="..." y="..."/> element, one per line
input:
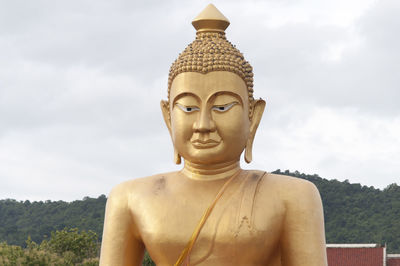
<point x="81" y="82"/>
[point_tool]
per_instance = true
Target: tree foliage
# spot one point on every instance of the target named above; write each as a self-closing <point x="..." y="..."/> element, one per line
<point x="38" y="219"/>
<point x="80" y="245"/>
<point x="65" y="247"/>
<point x="147" y="261"/>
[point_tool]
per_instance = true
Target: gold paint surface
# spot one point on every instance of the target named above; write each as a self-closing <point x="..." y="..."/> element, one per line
<point x="210" y="19"/>
<point x="208" y="135"/>
<point x="261" y="219"/>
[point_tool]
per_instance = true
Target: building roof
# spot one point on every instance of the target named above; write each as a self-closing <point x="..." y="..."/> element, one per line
<point x="369" y="245"/>
<point x="393" y="260"/>
<point x="356" y="254"/>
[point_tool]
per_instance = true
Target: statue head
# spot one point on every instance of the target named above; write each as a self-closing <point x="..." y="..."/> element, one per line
<point x="210" y="112"/>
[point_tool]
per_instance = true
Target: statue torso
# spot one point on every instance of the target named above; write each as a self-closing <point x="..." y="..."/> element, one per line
<point x="243" y="229"/>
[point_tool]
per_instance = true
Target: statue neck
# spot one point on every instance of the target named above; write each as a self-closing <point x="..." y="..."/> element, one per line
<point x="210" y="172"/>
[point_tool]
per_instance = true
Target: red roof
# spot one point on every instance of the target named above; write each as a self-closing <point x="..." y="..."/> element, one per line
<point x="351" y="256"/>
<point x="393" y="261"/>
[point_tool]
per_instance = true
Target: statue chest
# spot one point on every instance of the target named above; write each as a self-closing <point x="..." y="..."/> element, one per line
<point x="240" y="227"/>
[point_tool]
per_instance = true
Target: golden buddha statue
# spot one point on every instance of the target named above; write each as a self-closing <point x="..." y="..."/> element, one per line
<point x="212" y="212"/>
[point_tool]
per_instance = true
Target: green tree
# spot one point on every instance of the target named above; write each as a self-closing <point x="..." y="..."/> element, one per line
<point x="147" y="261"/>
<point x="65" y="247"/>
<point x="73" y="244"/>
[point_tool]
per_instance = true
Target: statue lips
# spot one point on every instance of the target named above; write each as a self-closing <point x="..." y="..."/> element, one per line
<point x="204" y="144"/>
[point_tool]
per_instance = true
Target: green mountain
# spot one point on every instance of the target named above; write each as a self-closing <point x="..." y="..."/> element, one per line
<point x="353" y="214"/>
<point x="38" y="219"/>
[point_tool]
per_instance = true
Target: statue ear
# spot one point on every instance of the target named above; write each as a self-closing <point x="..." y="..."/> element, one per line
<point x="167" y="119"/>
<point x="258" y="110"/>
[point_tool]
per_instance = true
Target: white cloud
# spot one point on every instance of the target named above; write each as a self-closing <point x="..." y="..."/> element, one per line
<point x="80" y="85"/>
<point x="339" y="143"/>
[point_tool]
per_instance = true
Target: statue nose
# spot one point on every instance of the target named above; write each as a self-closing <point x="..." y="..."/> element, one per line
<point x="204" y="122"/>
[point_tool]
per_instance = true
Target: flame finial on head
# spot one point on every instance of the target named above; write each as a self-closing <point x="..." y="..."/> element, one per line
<point x="210" y="19"/>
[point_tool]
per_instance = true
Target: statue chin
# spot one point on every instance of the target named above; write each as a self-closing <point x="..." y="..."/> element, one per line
<point x="212" y="212"/>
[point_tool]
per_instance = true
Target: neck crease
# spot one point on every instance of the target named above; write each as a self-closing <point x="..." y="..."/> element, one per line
<point x="210" y="172"/>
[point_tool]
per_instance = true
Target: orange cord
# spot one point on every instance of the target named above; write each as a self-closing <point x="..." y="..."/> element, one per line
<point x="185" y="255"/>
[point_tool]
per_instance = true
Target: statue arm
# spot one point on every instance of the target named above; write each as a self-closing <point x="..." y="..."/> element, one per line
<point x="121" y="243"/>
<point x="303" y="241"/>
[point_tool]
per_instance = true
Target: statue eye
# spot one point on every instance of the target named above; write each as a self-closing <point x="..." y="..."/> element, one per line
<point x="223" y="108"/>
<point x="188" y="109"/>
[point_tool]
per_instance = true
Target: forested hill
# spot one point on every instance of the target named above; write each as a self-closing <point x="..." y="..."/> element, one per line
<point x="38" y="219"/>
<point x="358" y="214"/>
<point x="353" y="214"/>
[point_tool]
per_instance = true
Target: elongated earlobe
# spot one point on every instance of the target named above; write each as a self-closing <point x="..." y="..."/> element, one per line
<point x="258" y="110"/>
<point x="177" y="157"/>
<point x="248" y="152"/>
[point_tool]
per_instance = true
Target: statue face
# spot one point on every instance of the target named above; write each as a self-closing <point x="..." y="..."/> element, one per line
<point x="209" y="116"/>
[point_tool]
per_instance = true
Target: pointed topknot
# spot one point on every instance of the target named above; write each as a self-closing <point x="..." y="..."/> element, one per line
<point x="210" y="19"/>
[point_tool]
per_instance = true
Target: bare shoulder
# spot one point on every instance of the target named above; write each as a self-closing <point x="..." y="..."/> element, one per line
<point x="138" y="187"/>
<point x="292" y="183"/>
<point x="291" y="190"/>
